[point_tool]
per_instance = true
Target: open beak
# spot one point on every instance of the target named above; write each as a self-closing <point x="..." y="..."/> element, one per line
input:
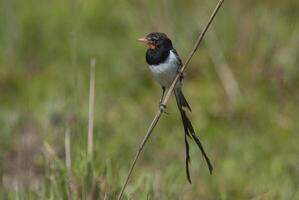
<point x="150" y="45"/>
<point x="144" y="40"/>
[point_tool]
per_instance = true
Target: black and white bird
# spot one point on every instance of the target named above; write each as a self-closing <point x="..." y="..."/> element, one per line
<point x="165" y="63"/>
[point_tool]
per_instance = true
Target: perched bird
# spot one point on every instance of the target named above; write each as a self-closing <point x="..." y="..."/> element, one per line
<point x="165" y="63"/>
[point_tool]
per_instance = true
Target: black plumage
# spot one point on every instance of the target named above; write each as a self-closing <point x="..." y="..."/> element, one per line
<point x="159" y="54"/>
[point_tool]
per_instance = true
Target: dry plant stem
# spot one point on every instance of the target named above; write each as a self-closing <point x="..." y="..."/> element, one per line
<point x="67" y="144"/>
<point x="166" y="98"/>
<point x="147" y="135"/>
<point x="91" y="107"/>
<point x="222" y="68"/>
<point x="68" y="162"/>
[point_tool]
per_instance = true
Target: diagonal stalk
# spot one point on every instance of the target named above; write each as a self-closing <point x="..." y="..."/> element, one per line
<point x="167" y="96"/>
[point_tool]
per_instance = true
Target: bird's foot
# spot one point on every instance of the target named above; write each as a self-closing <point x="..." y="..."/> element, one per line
<point x="181" y="74"/>
<point x="162" y="106"/>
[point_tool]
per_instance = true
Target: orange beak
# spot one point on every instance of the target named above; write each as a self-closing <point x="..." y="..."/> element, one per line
<point x="144" y="40"/>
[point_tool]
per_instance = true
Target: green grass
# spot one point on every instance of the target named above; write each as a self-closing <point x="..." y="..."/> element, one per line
<point x="44" y="85"/>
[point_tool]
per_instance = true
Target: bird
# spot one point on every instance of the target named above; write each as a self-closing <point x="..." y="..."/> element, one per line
<point x="165" y="63"/>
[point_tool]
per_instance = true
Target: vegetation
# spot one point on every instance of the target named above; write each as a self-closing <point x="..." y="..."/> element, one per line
<point x="251" y="137"/>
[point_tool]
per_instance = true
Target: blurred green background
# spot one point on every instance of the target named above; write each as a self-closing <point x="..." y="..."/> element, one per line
<point x="242" y="85"/>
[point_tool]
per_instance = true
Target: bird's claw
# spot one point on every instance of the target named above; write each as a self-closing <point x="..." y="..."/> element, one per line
<point x="181" y="74"/>
<point x="162" y="106"/>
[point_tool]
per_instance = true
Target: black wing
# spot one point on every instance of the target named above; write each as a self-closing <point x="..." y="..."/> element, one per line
<point x="178" y="57"/>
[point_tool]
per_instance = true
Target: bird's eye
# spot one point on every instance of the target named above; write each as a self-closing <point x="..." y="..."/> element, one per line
<point x="153" y="39"/>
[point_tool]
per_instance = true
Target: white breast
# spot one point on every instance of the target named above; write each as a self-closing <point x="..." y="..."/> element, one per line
<point x="165" y="73"/>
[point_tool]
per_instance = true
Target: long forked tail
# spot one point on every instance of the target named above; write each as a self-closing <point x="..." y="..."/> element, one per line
<point x="189" y="131"/>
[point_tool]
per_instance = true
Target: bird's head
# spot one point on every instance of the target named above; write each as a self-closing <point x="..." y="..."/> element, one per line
<point x="157" y="40"/>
